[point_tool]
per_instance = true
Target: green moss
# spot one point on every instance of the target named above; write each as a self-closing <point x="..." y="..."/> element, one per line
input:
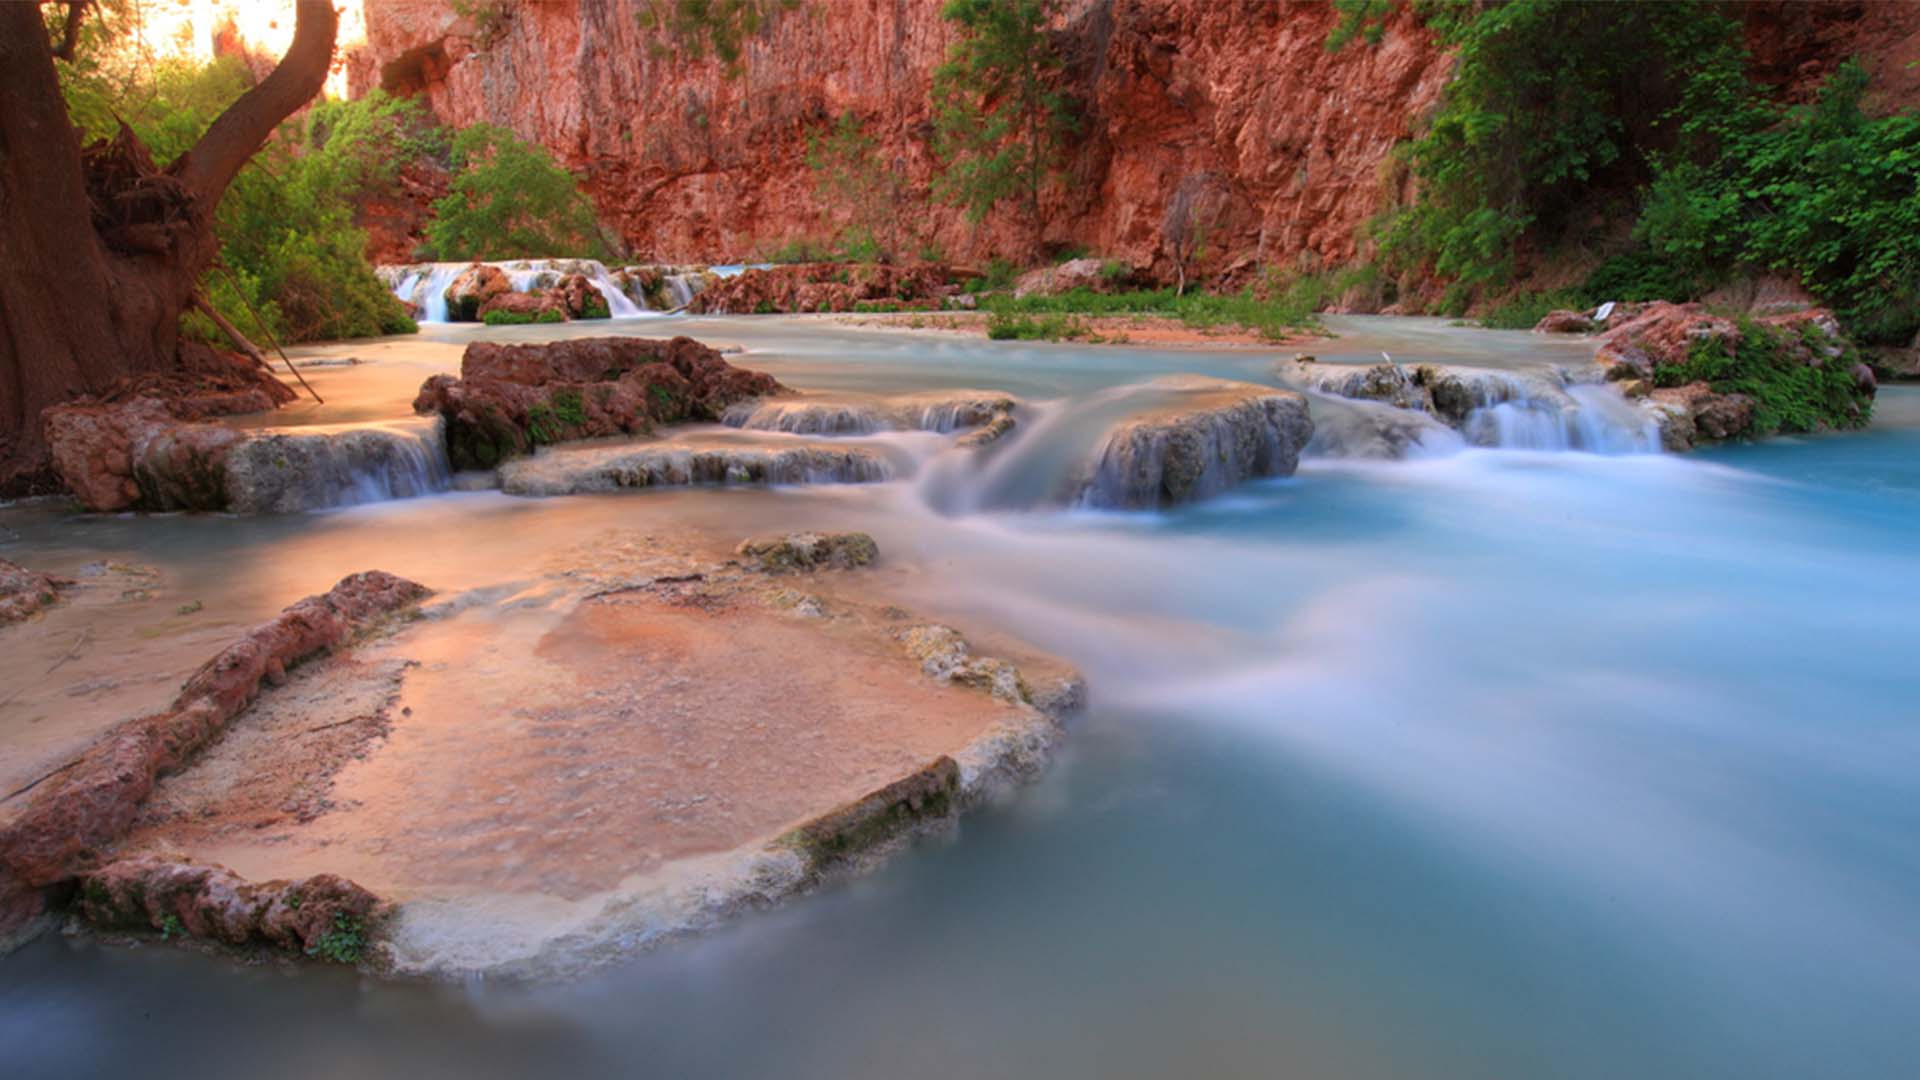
<point x="596" y="309"/>
<point x="343" y="943"/>
<point x="170" y="927"/>
<point x="568" y="408"/>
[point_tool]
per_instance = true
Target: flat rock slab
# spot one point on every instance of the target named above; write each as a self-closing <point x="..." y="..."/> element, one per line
<point x="512" y="760"/>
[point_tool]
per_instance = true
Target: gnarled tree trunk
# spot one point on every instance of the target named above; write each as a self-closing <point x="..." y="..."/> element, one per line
<point x="99" y="251"/>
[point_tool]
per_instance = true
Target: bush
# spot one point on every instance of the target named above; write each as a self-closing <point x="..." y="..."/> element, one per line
<point x="1525" y="310"/>
<point x="1274" y="318"/>
<point x="1820" y="191"/>
<point x="1549" y="101"/>
<point x="1002" y="326"/>
<point x="510" y="200"/>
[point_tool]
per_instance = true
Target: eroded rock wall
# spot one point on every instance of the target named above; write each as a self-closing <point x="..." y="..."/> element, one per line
<point x="693" y="165"/>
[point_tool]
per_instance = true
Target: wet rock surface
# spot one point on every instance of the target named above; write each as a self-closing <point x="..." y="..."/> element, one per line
<point x="324" y="916"/>
<point x="512" y="398"/>
<point x="809" y="551"/>
<point x="639" y="744"/>
<point x="473" y="289"/>
<point x="1214" y="434"/>
<point x="51" y="828"/>
<point x="816" y="287"/>
<point x="24" y="593"/>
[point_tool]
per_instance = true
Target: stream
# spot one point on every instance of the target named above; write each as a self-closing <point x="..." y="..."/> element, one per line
<point x="1493" y="761"/>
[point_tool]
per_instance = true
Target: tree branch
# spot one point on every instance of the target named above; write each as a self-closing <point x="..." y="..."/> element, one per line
<point x="70" y="34"/>
<point x="239" y="132"/>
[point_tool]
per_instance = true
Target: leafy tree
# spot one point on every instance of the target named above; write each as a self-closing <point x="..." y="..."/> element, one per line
<point x="1550" y="100"/>
<point x="510" y="200"/>
<point x="104" y="226"/>
<point x="1820" y="191"/>
<point x="849" y="169"/>
<point x="1000" y="121"/>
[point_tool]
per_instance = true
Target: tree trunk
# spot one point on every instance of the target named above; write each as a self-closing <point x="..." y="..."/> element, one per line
<point x="100" y="251"/>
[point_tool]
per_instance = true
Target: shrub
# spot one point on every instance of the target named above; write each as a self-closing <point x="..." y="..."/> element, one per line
<point x="510" y="200"/>
<point x="1820" y="191"/>
<point x="1772" y="366"/>
<point x="1524" y="311"/>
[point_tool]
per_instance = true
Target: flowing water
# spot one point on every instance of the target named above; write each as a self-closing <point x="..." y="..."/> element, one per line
<point x="1482" y="762"/>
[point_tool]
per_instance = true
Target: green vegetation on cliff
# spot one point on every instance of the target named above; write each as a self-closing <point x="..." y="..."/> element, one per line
<point x="1000" y="119"/>
<point x="1566" y="119"/>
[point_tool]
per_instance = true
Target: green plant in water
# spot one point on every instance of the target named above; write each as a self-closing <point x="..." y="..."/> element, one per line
<point x="170" y="927"/>
<point x="343" y="943"/>
<point x="1772" y="366"/>
<point x="522" y="318"/>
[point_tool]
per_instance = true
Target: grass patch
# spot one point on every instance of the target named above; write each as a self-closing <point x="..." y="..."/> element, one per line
<point x="522" y="318"/>
<point x="1273" y="318"/>
<point x="1524" y="311"/>
<point x="1002" y="326"/>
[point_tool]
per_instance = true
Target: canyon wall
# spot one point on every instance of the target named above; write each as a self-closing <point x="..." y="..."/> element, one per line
<point x="691" y="163"/>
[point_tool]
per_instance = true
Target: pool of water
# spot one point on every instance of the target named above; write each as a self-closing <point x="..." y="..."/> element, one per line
<point x="1491" y="763"/>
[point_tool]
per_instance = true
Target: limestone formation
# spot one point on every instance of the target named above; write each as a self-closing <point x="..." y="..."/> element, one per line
<point x="573" y="471"/>
<point x="1212" y="435"/>
<point x="24" y="593"/>
<point x="809" y="551"/>
<point x="512" y="398"/>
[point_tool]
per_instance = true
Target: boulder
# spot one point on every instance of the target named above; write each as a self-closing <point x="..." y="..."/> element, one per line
<point x="1564" y="322"/>
<point x="469" y="291"/>
<point x="531" y="304"/>
<point x="1711" y="415"/>
<point x="512" y="398"/>
<point x="1066" y="277"/>
<point x="809" y="551"/>
<point x="24" y="593"/>
<point x="579" y="298"/>
<point x="1213" y="434"/>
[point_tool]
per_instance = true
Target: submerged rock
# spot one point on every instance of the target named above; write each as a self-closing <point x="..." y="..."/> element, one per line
<point x="24" y="593"/>
<point x="1215" y="434"/>
<point x="1564" y="322"/>
<point x="579" y="470"/>
<point x="512" y="398"/>
<point x="810" y="551"/>
<point x="928" y="794"/>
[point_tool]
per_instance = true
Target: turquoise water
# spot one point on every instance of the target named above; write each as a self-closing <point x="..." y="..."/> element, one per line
<point x="1497" y="764"/>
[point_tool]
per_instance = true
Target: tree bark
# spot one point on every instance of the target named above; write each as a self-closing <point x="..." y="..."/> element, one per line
<point x="100" y="253"/>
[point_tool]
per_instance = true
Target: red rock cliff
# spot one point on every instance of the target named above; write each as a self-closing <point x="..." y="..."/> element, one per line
<point x="694" y="165"/>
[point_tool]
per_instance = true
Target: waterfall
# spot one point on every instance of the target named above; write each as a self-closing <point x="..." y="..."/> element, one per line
<point x="425" y="285"/>
<point x="1533" y="410"/>
<point x="337" y="465"/>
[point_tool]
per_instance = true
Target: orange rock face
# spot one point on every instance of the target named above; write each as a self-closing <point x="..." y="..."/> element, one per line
<point x="693" y="165"/>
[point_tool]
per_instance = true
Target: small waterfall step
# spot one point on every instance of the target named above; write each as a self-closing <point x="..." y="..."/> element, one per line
<point x="694" y="459"/>
<point x="1546" y="409"/>
<point x="807" y="413"/>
